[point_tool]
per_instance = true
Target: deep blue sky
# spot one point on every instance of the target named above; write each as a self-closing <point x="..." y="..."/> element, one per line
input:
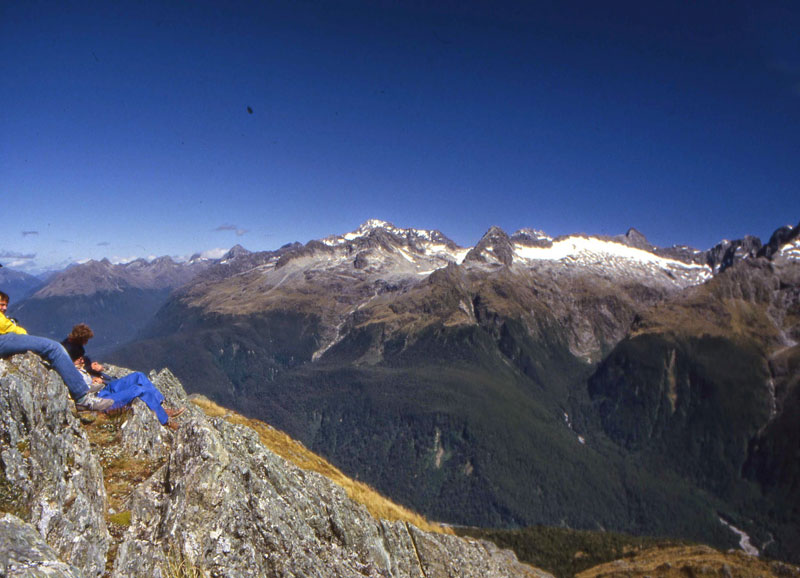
<point x="125" y="130"/>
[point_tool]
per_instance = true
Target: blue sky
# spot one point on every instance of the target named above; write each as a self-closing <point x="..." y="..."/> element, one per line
<point x="133" y="129"/>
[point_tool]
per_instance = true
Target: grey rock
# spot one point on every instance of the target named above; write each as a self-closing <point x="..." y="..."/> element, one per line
<point x="727" y="253"/>
<point x="229" y="506"/>
<point x="494" y="246"/>
<point x="634" y="238"/>
<point x="23" y="553"/>
<point x="779" y="238"/>
<point x="46" y="458"/>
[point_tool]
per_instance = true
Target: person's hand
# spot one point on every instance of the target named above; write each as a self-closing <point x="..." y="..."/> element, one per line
<point x="97" y="379"/>
<point x="97" y="366"/>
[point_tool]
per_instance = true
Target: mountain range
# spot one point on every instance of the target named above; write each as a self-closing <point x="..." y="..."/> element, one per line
<point x="582" y="381"/>
<point x="116" y="300"/>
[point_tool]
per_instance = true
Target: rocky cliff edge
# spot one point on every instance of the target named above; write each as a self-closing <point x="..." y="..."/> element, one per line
<point x="121" y="496"/>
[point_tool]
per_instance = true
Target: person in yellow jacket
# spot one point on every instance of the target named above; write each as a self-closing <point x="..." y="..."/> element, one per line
<point x="14" y="339"/>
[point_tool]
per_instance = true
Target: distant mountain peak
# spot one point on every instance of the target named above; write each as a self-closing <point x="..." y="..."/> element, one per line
<point x="235" y="251"/>
<point x="634" y="238"/>
<point x="786" y="235"/>
<point x="375" y="224"/>
<point x="528" y="236"/>
<point x="376" y="227"/>
<point x="494" y="246"/>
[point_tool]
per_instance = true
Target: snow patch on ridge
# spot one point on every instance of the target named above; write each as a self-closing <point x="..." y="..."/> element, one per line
<point x="608" y="254"/>
<point x="791" y="250"/>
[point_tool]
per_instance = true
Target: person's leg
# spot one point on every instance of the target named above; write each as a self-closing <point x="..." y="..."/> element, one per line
<point x="52" y="351"/>
<point x="151" y="396"/>
<point x="125" y="389"/>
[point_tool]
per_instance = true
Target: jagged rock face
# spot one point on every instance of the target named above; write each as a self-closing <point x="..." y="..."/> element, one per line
<point x="781" y="237"/>
<point x="222" y="503"/>
<point x="726" y="253"/>
<point x="25" y="553"/>
<point x="48" y="467"/>
<point x="494" y="247"/>
<point x="234" y="508"/>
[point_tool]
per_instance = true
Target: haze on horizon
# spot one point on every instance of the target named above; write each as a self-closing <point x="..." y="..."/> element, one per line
<point x="146" y="129"/>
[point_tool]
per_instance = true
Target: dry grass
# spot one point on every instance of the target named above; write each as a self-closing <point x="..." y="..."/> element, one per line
<point x="178" y="566"/>
<point x="731" y="318"/>
<point x="295" y="452"/>
<point x="683" y="561"/>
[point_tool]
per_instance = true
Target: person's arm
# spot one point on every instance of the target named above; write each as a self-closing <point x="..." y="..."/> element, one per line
<point x="8" y="326"/>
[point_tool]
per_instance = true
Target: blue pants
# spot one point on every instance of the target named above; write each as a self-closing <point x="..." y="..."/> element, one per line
<point x="125" y="389"/>
<point x="52" y="351"/>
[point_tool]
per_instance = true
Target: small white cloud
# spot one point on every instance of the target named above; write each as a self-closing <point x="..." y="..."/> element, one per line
<point x="213" y="253"/>
<point x="12" y="259"/>
<point x="18" y="264"/>
<point x="239" y="232"/>
<point x="117" y="260"/>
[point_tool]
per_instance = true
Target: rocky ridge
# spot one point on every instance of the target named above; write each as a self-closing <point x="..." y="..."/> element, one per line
<point x="350" y="279"/>
<point x="220" y="503"/>
<point x="116" y="300"/>
<point x="103" y="276"/>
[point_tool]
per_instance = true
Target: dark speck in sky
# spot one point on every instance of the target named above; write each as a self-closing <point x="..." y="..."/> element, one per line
<point x="249" y="110"/>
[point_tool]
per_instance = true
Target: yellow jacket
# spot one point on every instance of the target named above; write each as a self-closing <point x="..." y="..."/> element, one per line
<point x="8" y="326"/>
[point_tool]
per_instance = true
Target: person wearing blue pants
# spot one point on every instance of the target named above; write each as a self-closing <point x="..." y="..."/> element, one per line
<point x="124" y="390"/>
<point x="14" y="339"/>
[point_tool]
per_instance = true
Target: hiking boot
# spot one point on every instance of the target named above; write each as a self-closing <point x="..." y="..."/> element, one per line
<point x="91" y="402"/>
<point x="174" y="412"/>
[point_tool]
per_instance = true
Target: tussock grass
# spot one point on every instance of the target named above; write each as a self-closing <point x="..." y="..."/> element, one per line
<point x="565" y="552"/>
<point x="680" y="562"/>
<point x="293" y="451"/>
<point x="178" y="566"/>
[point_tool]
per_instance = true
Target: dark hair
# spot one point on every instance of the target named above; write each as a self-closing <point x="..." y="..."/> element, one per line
<point x="4" y="297"/>
<point x="81" y="333"/>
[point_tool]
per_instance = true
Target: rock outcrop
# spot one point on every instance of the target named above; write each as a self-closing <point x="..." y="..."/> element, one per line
<point x="222" y="503"/>
<point x="49" y="476"/>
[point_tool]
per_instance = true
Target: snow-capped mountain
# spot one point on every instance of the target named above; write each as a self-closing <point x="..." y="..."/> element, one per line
<point x="396" y="345"/>
<point x="379" y="249"/>
<point x="609" y="257"/>
<point x="370" y="273"/>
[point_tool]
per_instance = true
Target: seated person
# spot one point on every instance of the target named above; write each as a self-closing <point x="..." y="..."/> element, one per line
<point x="75" y="344"/>
<point x="124" y="390"/>
<point x="14" y="339"/>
